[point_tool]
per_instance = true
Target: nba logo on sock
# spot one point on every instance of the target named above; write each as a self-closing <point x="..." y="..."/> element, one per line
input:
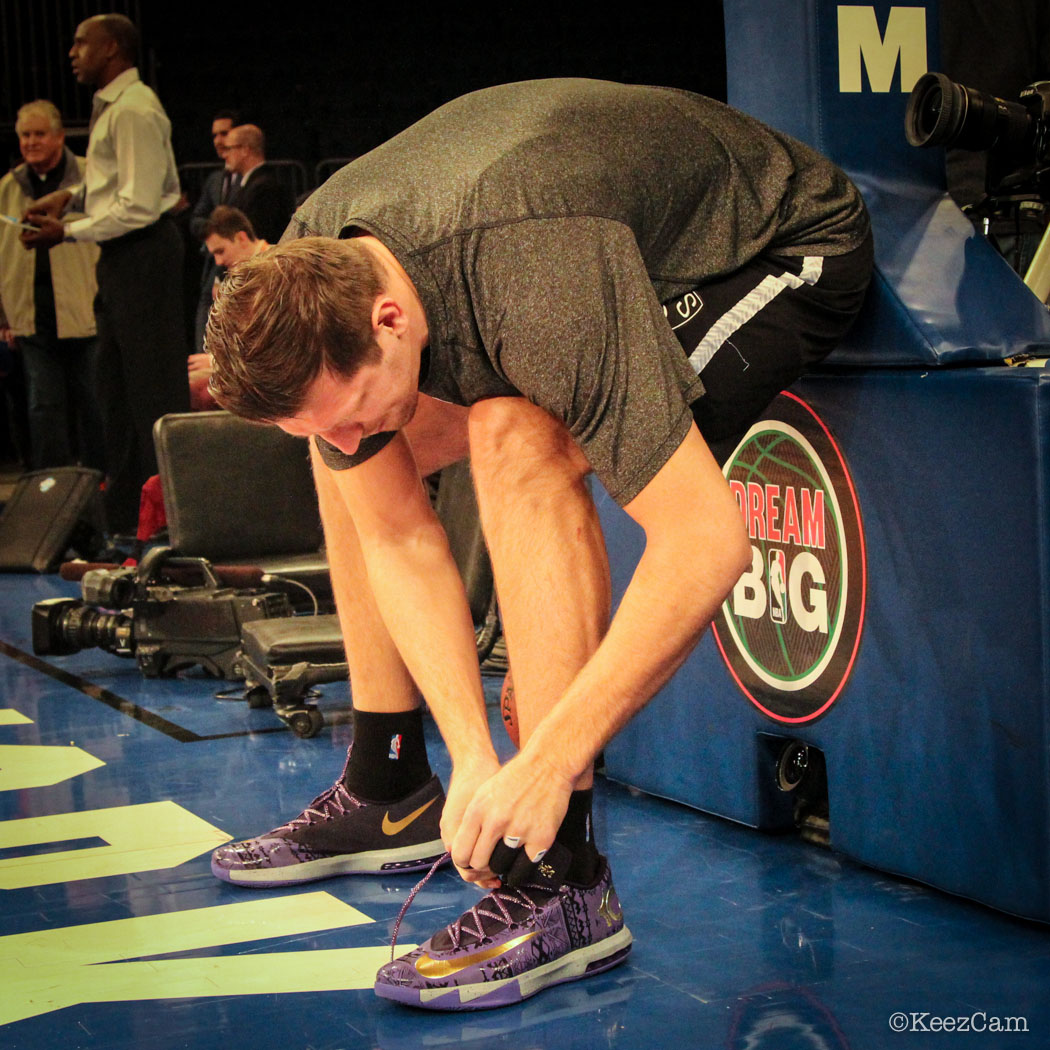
<point x="395" y="746"/>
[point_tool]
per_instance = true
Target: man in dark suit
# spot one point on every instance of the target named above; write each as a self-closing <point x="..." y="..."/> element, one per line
<point x="219" y="188"/>
<point x="262" y="195"/>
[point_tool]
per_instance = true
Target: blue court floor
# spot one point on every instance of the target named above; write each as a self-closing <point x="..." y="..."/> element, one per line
<point x="114" y="789"/>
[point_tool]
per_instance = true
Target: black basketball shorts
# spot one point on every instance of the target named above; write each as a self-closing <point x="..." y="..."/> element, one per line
<point x="751" y="334"/>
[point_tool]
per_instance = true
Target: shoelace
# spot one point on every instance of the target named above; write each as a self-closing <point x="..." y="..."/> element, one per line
<point x="332" y="799"/>
<point x="335" y="800"/>
<point x="455" y="929"/>
<point x="412" y="896"/>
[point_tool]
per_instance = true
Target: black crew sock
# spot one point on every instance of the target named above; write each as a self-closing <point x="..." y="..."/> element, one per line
<point x="388" y="759"/>
<point x="577" y="834"/>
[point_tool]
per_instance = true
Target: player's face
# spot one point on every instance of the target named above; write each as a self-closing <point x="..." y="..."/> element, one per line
<point x="378" y="398"/>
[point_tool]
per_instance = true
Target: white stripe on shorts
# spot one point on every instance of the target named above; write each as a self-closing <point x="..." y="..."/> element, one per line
<point x="765" y="292"/>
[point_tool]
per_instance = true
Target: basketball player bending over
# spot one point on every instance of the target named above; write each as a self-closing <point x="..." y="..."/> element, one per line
<point x="554" y="278"/>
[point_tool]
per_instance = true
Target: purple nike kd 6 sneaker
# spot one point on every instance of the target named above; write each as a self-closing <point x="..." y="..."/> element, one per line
<point x="512" y="944"/>
<point x="340" y="834"/>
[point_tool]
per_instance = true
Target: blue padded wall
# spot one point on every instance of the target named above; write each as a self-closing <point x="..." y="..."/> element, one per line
<point x="935" y="731"/>
<point x="937" y="747"/>
<point x="942" y="294"/>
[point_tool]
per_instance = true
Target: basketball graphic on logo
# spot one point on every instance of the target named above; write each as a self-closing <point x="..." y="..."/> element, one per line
<point x="790" y="629"/>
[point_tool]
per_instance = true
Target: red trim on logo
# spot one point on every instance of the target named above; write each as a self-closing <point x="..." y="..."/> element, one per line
<point x="863" y="592"/>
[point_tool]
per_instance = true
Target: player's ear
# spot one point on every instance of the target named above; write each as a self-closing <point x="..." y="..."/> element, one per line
<point x="388" y="314"/>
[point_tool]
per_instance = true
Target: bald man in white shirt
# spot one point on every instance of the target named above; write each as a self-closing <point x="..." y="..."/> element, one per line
<point x="130" y="185"/>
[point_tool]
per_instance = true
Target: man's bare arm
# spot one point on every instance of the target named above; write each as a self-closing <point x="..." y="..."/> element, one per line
<point x="696" y="548"/>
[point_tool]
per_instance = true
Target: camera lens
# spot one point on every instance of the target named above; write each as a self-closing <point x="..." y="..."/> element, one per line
<point x="935" y="111"/>
<point x="64" y="625"/>
<point x="943" y="113"/>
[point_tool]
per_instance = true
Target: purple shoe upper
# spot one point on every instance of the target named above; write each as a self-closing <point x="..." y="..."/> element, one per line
<point x="511" y="944"/>
<point x="340" y="834"/>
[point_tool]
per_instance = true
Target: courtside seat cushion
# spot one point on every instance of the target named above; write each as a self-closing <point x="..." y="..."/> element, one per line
<point x="941" y="294"/>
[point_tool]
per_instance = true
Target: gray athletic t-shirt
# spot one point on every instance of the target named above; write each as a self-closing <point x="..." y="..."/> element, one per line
<point x="543" y="224"/>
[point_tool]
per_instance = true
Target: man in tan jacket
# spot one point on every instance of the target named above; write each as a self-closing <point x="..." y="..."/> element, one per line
<point x="46" y="298"/>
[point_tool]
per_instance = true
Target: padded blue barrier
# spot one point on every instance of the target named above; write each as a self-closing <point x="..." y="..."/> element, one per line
<point x="942" y="294"/>
<point x="897" y="614"/>
<point x="937" y="746"/>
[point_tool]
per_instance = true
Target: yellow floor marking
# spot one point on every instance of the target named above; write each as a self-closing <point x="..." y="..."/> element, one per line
<point x="145" y="837"/>
<point x="52" y="969"/>
<point x="35" y="765"/>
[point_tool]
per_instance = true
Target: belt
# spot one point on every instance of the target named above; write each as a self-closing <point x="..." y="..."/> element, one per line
<point x="141" y="234"/>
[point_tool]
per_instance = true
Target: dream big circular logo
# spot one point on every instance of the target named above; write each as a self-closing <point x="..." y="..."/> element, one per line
<point x="790" y="629"/>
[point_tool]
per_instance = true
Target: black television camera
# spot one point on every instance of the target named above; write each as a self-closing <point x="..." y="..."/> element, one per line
<point x="1016" y="134"/>
<point x="149" y="613"/>
<point x="1015" y="138"/>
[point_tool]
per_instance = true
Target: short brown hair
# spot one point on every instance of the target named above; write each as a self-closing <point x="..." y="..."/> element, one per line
<point x="228" y="222"/>
<point x="283" y="317"/>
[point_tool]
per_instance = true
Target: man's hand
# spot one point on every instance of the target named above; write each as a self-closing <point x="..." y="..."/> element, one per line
<point x="466" y="779"/>
<point x="47" y="234"/>
<point x="50" y="205"/>
<point x="199" y="373"/>
<point x="526" y="800"/>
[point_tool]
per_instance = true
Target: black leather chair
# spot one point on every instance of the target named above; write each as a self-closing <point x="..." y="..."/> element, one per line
<point x="242" y="493"/>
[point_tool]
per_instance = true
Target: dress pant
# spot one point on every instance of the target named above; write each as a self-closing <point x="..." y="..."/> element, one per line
<point x="141" y="357"/>
<point x="64" y="422"/>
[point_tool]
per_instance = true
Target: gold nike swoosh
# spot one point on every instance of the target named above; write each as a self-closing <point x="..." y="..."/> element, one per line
<point x="392" y="827"/>
<point x="428" y="967"/>
<point x="607" y="912"/>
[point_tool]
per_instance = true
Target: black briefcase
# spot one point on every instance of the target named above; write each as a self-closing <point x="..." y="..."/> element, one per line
<point x="49" y="513"/>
